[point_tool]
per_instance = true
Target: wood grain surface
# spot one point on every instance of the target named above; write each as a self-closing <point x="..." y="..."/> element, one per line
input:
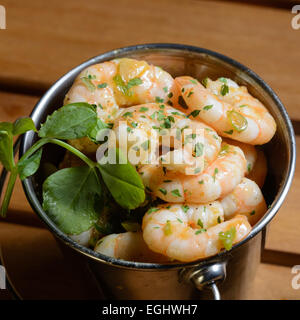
<point x="43" y="40"/>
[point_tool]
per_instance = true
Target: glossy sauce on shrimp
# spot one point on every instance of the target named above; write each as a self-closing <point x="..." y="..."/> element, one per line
<point x="168" y="125"/>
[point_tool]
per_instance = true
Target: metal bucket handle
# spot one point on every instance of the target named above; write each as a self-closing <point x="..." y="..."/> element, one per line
<point x="205" y="277"/>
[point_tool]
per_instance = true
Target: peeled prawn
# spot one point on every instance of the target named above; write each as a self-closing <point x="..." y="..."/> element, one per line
<point x="216" y="181"/>
<point x="128" y="246"/>
<point x="259" y="170"/>
<point x="228" y="108"/>
<point x="150" y="126"/>
<point x="175" y="234"/>
<point x="120" y="83"/>
<point x="245" y="199"/>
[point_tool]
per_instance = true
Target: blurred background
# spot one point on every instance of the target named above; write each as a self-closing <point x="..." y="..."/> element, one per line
<point x="45" y="39"/>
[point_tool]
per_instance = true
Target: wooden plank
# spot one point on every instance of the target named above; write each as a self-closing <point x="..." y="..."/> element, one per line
<point x="47" y="274"/>
<point x="13" y="105"/>
<point x="284" y="230"/>
<point x="273" y="282"/>
<point x="44" y="40"/>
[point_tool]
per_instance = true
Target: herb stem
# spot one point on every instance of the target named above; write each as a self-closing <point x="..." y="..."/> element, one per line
<point x="9" y="190"/>
<point x="60" y="143"/>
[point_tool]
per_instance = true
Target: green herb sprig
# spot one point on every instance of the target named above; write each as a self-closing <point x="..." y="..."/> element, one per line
<point x="70" y="195"/>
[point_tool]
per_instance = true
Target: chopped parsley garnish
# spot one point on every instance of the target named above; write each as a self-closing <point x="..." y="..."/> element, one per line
<point x="229" y="131"/>
<point x="190" y="93"/>
<point x="179" y="220"/>
<point x="249" y="167"/>
<point x="151" y="210"/>
<point x="165" y="89"/>
<point x="200" y="223"/>
<point x="125" y="88"/>
<point x="200" y="231"/>
<point x="127" y="114"/>
<point x="176" y="193"/>
<point x="224" y="89"/>
<point x="163" y="191"/>
<point x="185" y="208"/>
<point x="219" y="219"/>
<point x="208" y="107"/>
<point x="252" y="213"/>
<point x="143" y="109"/>
<point x="194" y="81"/>
<point x="215" y="172"/>
<point x="159" y="100"/>
<point x="201" y="181"/>
<point x="170" y="95"/>
<point x="182" y="103"/>
<point x="102" y="85"/>
<point x="134" y="82"/>
<point x="194" y="113"/>
<point x="224" y="150"/>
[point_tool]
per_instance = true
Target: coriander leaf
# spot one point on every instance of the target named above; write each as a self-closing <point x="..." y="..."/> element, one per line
<point x="23" y="125"/>
<point x="28" y="166"/>
<point x="69" y="197"/>
<point x="123" y="182"/>
<point x="72" y="121"/>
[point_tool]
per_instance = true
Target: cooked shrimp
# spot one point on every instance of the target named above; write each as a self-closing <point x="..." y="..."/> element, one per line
<point x="150" y="126"/>
<point x="217" y="180"/>
<point x="128" y="246"/>
<point x="120" y="83"/>
<point x="250" y="153"/>
<point x="259" y="171"/>
<point x="228" y="108"/>
<point x="246" y="199"/>
<point x="83" y="238"/>
<point x="175" y="234"/>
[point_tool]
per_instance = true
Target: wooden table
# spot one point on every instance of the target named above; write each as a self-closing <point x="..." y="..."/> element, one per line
<point x="44" y="39"/>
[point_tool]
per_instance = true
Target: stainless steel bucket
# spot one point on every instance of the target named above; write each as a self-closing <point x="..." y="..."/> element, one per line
<point x="228" y="273"/>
